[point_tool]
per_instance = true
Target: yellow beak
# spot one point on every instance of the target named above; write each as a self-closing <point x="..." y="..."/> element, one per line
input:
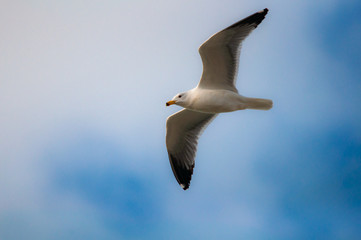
<point x="170" y="103"/>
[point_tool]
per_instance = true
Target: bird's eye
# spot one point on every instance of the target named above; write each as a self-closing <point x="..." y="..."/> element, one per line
<point x="180" y="96"/>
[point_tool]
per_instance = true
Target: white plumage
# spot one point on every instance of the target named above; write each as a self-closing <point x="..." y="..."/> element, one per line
<point x="215" y="93"/>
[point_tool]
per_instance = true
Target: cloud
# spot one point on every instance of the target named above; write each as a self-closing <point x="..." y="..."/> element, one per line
<point x="82" y="121"/>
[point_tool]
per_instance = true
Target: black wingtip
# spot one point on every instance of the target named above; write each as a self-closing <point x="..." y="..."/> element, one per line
<point x="255" y="19"/>
<point x="258" y="17"/>
<point x="182" y="174"/>
<point x="184" y="186"/>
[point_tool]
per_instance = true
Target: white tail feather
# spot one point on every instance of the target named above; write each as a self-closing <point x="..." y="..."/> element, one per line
<point x="259" y="103"/>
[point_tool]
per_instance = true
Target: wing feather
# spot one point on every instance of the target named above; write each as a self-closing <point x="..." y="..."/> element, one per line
<point x="183" y="131"/>
<point x="220" y="53"/>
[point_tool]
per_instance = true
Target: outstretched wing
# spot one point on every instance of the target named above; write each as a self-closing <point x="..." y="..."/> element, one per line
<point x="220" y="53"/>
<point x="183" y="131"/>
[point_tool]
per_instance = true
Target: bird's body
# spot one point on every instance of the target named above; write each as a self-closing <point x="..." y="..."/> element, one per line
<point x="221" y="101"/>
<point x="211" y="101"/>
<point x="215" y="93"/>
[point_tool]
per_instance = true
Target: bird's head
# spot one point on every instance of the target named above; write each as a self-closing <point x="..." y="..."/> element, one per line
<point x="178" y="99"/>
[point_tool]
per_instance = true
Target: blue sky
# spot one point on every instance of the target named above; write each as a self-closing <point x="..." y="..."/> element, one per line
<point x="82" y="113"/>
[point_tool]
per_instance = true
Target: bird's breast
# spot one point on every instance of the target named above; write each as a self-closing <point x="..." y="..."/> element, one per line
<point x="216" y="101"/>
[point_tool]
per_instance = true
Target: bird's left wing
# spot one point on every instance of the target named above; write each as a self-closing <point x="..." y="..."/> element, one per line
<point x="220" y="53"/>
<point x="183" y="131"/>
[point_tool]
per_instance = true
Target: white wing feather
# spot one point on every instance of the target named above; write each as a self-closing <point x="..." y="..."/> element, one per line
<point x="183" y="131"/>
<point x="220" y="53"/>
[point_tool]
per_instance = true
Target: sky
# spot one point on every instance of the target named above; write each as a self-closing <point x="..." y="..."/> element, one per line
<point x="83" y="86"/>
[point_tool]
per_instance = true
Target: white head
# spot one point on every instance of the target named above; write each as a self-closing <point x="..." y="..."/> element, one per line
<point x="179" y="99"/>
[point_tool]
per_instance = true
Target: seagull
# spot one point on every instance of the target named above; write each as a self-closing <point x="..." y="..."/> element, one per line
<point x="215" y="93"/>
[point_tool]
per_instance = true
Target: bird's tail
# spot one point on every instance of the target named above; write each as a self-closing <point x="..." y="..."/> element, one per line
<point x="259" y="103"/>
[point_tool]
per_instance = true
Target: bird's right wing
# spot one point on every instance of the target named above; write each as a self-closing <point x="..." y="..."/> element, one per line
<point x="220" y="53"/>
<point x="183" y="131"/>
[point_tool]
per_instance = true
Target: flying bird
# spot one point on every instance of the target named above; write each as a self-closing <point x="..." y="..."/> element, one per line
<point x="215" y="93"/>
